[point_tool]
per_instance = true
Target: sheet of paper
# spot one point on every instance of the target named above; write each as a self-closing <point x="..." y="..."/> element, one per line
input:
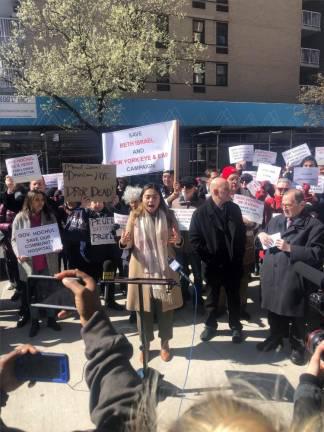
<point x="274" y="237"/>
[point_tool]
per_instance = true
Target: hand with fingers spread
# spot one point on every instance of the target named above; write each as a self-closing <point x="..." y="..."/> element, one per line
<point x="125" y="238"/>
<point x="87" y="300"/>
<point x="8" y="380"/>
<point x="175" y="237"/>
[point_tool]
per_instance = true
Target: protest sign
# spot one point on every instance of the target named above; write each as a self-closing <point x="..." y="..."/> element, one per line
<point x="84" y="181"/>
<point x="101" y="230"/>
<point x="39" y="240"/>
<point x="183" y="217"/>
<point x="140" y="150"/>
<point x="268" y="173"/>
<point x="24" y="169"/>
<point x="51" y="180"/>
<point x="319" y="155"/>
<point x="319" y="188"/>
<point x="253" y="187"/>
<point x="294" y="156"/>
<point x="306" y="175"/>
<point x="264" y="156"/>
<point x="121" y="220"/>
<point x="251" y="208"/>
<point x="240" y="153"/>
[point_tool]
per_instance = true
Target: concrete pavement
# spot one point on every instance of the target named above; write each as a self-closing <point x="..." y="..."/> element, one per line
<point x="215" y="364"/>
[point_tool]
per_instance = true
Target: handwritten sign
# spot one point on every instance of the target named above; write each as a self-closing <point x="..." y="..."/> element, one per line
<point x="101" y="230"/>
<point x="183" y="217"/>
<point x="319" y="155"/>
<point x="294" y="156"/>
<point x="306" y="175"/>
<point x="95" y="182"/>
<point x="140" y="150"/>
<point x="251" y="208"/>
<point x="51" y="180"/>
<point x="121" y="220"/>
<point x="39" y="240"/>
<point x="253" y="187"/>
<point x="240" y="153"/>
<point x="268" y="173"/>
<point x="264" y="156"/>
<point x="24" y="169"/>
<point x="319" y="188"/>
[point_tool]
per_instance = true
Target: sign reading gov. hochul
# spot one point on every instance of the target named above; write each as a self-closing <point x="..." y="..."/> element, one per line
<point x="96" y="182"/>
<point x="38" y="240"/>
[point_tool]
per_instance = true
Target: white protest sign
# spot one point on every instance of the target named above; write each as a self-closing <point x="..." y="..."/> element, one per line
<point x="240" y="153"/>
<point x="140" y="150"/>
<point x="306" y="175"/>
<point x="251" y="208"/>
<point x="294" y="156"/>
<point x="319" y="189"/>
<point x="274" y="237"/>
<point x="101" y="230"/>
<point x="264" y="156"/>
<point x="319" y="155"/>
<point x="39" y="240"/>
<point x="51" y="180"/>
<point x="24" y="169"/>
<point x="253" y="187"/>
<point x="252" y="173"/>
<point x="60" y="182"/>
<point x="268" y="173"/>
<point x="183" y="217"/>
<point x="121" y="220"/>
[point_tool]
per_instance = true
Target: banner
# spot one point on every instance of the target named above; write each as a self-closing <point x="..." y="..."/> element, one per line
<point x="101" y="230"/>
<point x="306" y="175"/>
<point x="140" y="150"/>
<point x="39" y="240"/>
<point x="240" y="153"/>
<point x="51" y="180"/>
<point x="24" y="169"/>
<point x="251" y="208"/>
<point x="294" y="156"/>
<point x="84" y="181"/>
<point x="183" y="217"/>
<point x="269" y="173"/>
<point x="264" y="156"/>
<point x="18" y="107"/>
<point x="319" y="155"/>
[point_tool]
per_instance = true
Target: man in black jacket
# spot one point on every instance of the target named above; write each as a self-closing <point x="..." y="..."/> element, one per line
<point x="217" y="235"/>
<point x="301" y="238"/>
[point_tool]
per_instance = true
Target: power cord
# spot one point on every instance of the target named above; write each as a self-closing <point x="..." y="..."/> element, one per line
<point x="72" y="387"/>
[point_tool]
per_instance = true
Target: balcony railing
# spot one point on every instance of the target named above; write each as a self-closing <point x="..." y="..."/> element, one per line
<point x="310" y="57"/>
<point x="6" y="26"/>
<point x="311" y="20"/>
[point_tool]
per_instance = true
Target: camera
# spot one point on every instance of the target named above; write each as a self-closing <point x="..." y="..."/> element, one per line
<point x="313" y="339"/>
<point x="316" y="301"/>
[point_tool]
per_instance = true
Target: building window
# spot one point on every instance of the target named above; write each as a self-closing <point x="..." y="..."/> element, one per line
<point x="162" y="22"/>
<point x="222" y="74"/>
<point x="198" y="31"/>
<point x="222" y="5"/>
<point x="199" y="4"/>
<point x="222" y="37"/>
<point x="199" y="77"/>
<point x="163" y="80"/>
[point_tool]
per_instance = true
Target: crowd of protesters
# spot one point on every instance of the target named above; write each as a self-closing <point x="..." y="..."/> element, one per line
<point x="221" y="250"/>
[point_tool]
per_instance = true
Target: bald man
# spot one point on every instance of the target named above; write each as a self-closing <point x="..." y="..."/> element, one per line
<point x="284" y="293"/>
<point x="217" y="235"/>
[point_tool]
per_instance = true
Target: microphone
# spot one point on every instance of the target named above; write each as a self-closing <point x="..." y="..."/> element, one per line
<point x="108" y="270"/>
<point x="176" y="266"/>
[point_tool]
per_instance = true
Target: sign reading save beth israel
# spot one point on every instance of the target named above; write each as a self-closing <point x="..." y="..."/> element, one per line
<point x="93" y="181"/>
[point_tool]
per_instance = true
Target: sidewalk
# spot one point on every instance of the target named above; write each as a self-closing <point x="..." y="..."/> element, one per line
<point x="58" y="407"/>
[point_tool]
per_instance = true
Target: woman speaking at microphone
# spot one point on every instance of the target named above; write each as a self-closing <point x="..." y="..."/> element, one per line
<point x="151" y="232"/>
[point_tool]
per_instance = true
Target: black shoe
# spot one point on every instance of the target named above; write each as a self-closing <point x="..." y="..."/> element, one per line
<point x="51" y="323"/>
<point x="298" y="357"/>
<point x="237" y="336"/>
<point x="22" y="320"/>
<point x="208" y="334"/>
<point x="116" y="306"/>
<point x="270" y="344"/>
<point x="15" y="297"/>
<point x="245" y="315"/>
<point x="132" y="318"/>
<point x="34" y="328"/>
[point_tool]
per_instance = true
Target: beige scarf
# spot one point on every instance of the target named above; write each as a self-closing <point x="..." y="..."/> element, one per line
<point x="151" y="239"/>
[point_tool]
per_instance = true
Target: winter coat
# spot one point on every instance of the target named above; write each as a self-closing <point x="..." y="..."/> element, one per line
<point x="22" y="221"/>
<point x="283" y="291"/>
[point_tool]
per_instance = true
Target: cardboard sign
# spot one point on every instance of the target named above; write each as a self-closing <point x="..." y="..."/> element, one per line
<point x="319" y="155"/>
<point x="253" y="187"/>
<point x="51" y="180"/>
<point x="306" y="175"/>
<point x="101" y="230"/>
<point x="84" y="181"/>
<point x="251" y="208"/>
<point x="294" y="156"/>
<point x="319" y="189"/>
<point x="264" y="156"/>
<point x="39" y="240"/>
<point x="24" y="169"/>
<point x="267" y="172"/>
<point x="121" y="220"/>
<point x="240" y="153"/>
<point x="183" y="217"/>
<point x="140" y="150"/>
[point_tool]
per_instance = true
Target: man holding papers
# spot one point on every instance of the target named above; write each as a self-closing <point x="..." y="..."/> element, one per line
<point x="288" y="238"/>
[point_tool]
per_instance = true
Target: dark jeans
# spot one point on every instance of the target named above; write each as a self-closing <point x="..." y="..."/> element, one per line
<point x="11" y="266"/>
<point x="230" y="280"/>
<point x="292" y="327"/>
<point x="192" y="259"/>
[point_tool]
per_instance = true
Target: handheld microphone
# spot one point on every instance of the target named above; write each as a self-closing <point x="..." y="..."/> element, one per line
<point x="176" y="266"/>
<point x="108" y="270"/>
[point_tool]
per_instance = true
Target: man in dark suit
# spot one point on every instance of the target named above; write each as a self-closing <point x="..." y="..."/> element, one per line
<point x="217" y="235"/>
<point x="284" y="293"/>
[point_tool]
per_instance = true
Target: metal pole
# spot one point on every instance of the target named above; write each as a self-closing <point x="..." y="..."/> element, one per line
<point x="46" y="152"/>
<point x="143" y="334"/>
